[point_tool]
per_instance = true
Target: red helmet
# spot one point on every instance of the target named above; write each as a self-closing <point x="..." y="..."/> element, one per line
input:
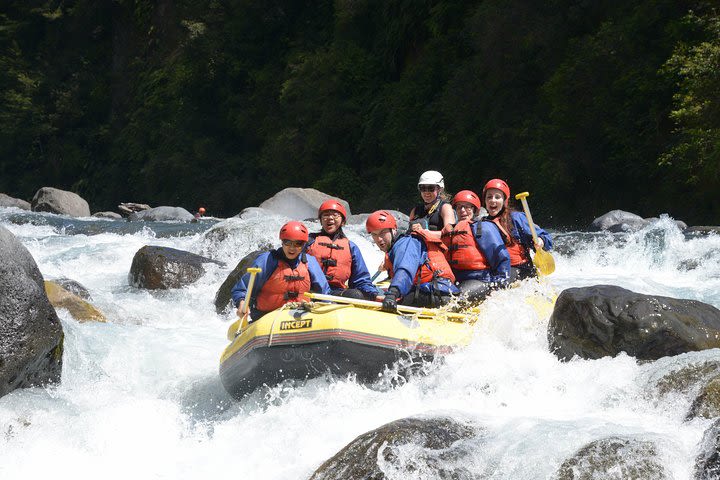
<point x="201" y="210"/>
<point x="500" y="185"/>
<point x="380" y="220"/>
<point x="332" y="205"/>
<point x="294" y="231"/>
<point x="467" y="196"/>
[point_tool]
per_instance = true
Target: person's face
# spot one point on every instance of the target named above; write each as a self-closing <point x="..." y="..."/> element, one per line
<point x="465" y="210"/>
<point x="292" y="248"/>
<point x="494" y="201"/>
<point x="331" y="221"/>
<point x="429" y="192"/>
<point x="383" y="238"/>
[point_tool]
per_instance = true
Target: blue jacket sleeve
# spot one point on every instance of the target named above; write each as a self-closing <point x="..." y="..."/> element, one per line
<point x="406" y="256"/>
<point x="522" y="231"/>
<point x="491" y="245"/>
<point x="264" y="261"/>
<point x="318" y="281"/>
<point x="359" y="275"/>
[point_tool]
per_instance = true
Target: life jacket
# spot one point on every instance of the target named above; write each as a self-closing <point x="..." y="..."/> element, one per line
<point x="334" y="257"/>
<point x="435" y="266"/>
<point x="519" y="254"/>
<point x="434" y="219"/>
<point x="463" y="252"/>
<point x="286" y="284"/>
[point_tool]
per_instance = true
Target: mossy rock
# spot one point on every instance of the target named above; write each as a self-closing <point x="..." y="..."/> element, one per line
<point x="79" y="309"/>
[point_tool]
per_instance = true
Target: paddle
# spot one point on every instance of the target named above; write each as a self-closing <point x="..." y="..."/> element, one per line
<point x="544" y="262"/>
<point x="371" y="304"/>
<point x="246" y="304"/>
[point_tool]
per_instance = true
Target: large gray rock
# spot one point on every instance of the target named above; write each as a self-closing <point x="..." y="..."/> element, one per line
<point x="8" y="201"/>
<point x="222" y="297"/>
<point x="707" y="463"/>
<point x="298" y="203"/>
<point x="156" y="267"/>
<point x="593" y="322"/>
<point x="53" y="200"/>
<point x="31" y="337"/>
<point x="110" y="215"/>
<point x="438" y="451"/>
<point x="162" y="214"/>
<point x="618" y="221"/>
<point x="614" y="458"/>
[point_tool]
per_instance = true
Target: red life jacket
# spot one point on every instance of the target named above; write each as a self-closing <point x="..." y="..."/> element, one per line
<point x="335" y="259"/>
<point x="518" y="253"/>
<point x="435" y="264"/>
<point x="286" y="284"/>
<point x="463" y="252"/>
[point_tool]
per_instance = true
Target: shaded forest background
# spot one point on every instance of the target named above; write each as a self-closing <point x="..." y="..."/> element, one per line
<point x="588" y="104"/>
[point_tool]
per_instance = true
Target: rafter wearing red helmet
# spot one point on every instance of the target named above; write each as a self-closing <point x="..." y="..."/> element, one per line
<point x="419" y="273"/>
<point x="476" y="252"/>
<point x="286" y="274"/>
<point x="514" y="228"/>
<point x="339" y="258"/>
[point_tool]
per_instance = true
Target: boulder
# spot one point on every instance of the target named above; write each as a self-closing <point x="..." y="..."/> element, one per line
<point x="707" y="403"/>
<point x="8" y="201"/>
<point x="53" y="200"/>
<point x="156" y="268"/>
<point x="404" y="448"/>
<point x="74" y="287"/>
<point x="707" y="463"/>
<point x="222" y="297"/>
<point x="618" y="221"/>
<point x="110" y="215"/>
<point x="614" y="458"/>
<point x="234" y="237"/>
<point x="127" y="208"/>
<point x="298" y="203"/>
<point x="162" y="214"/>
<point x="79" y="309"/>
<point x="593" y="322"/>
<point x="31" y="336"/>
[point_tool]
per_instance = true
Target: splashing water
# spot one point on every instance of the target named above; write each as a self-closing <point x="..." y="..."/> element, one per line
<point x="140" y="395"/>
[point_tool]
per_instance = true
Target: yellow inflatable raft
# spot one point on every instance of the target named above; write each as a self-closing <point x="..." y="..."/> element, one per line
<point x="312" y="339"/>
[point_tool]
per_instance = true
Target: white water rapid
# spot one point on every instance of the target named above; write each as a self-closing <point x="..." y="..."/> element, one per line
<point x="140" y="396"/>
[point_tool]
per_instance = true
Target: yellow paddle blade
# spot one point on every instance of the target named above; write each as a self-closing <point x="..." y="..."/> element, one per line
<point x="544" y="262"/>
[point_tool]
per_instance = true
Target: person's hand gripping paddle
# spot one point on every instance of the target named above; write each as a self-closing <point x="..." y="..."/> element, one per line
<point x="544" y="262"/>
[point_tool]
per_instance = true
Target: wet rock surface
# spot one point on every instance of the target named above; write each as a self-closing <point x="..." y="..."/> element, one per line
<point x="618" y="221"/>
<point x="222" y="297"/>
<point x="604" y="320"/>
<point x="8" y="201"/>
<point x="614" y="458"/>
<point x="298" y="203"/>
<point x="31" y="336"/>
<point x="156" y="267"/>
<point x="415" y="447"/>
<point x="162" y="214"/>
<point x="79" y="309"/>
<point x="707" y="463"/>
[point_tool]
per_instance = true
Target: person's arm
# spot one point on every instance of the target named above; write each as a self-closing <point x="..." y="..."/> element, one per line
<point x="318" y="281"/>
<point x="491" y="244"/>
<point x="448" y="215"/>
<point x="412" y="214"/>
<point x="264" y="261"/>
<point x="407" y="258"/>
<point x="522" y="225"/>
<point x="359" y="274"/>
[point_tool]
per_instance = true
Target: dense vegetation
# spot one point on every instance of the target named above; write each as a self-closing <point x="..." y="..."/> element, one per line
<point x="589" y="104"/>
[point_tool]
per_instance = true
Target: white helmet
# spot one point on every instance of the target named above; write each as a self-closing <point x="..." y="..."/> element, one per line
<point x="431" y="177"/>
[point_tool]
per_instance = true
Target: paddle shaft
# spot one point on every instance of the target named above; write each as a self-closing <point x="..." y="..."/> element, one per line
<point x="522" y="197"/>
<point x="253" y="271"/>
<point x="372" y="304"/>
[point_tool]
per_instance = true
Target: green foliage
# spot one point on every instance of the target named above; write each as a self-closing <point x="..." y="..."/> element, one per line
<point x="590" y="105"/>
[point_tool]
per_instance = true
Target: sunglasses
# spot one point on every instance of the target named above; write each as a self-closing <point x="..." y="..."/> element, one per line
<point x="293" y="243"/>
<point x="427" y="188"/>
<point x="330" y="215"/>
